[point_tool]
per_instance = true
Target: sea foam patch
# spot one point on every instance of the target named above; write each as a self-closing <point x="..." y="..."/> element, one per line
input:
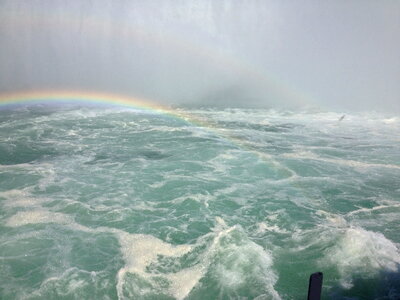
<point x="240" y="264"/>
<point x="363" y="253"/>
<point x="230" y="258"/>
<point x="37" y="217"/>
<point x="139" y="252"/>
<point x="234" y="260"/>
<point x="345" y="162"/>
<point x="19" y="198"/>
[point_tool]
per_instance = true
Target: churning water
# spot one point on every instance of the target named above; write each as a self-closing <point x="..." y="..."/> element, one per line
<point x="108" y="203"/>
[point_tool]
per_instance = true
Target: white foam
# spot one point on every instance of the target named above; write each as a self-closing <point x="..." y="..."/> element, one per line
<point x="169" y="129"/>
<point x="20" y="198"/>
<point x="141" y="251"/>
<point x="359" y="251"/>
<point x="147" y="248"/>
<point x="138" y="250"/>
<point x="158" y="184"/>
<point x="24" y="166"/>
<point x="240" y="259"/>
<point x="263" y="227"/>
<point x="221" y="223"/>
<point x="37" y="217"/>
<point x="69" y="283"/>
<point x="375" y="208"/>
<point x="333" y="219"/>
<point x="198" y="197"/>
<point x="345" y="162"/>
<point x="185" y="280"/>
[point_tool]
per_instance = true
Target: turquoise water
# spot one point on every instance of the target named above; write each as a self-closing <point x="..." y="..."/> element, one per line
<point x="116" y="203"/>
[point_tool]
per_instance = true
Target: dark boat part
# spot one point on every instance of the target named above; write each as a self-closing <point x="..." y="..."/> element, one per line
<point x="315" y="286"/>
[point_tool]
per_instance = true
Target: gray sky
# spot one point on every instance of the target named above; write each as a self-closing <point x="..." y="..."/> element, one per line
<point x="340" y="54"/>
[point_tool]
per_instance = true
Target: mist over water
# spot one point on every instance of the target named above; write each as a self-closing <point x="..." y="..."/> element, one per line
<point x="276" y="154"/>
<point x="335" y="55"/>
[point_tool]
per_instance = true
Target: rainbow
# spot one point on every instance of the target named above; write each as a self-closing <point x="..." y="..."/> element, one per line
<point x="97" y="26"/>
<point x="53" y="96"/>
<point x="102" y="98"/>
<point x="86" y="97"/>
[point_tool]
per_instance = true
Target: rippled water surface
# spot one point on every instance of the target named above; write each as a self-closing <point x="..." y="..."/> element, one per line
<point x="108" y="203"/>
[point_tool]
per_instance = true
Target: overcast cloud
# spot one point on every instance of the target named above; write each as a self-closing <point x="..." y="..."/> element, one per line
<point x="330" y="54"/>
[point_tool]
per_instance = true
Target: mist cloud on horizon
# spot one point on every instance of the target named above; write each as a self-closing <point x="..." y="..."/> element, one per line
<point x="331" y="54"/>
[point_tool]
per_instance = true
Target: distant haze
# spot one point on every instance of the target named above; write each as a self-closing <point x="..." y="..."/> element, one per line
<point x="341" y="55"/>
